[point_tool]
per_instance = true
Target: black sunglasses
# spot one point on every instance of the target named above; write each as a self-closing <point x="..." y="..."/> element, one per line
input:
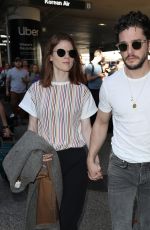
<point x="136" y="44"/>
<point x="62" y="53"/>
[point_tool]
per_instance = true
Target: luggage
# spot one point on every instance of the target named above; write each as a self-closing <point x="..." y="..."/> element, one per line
<point x="5" y="146"/>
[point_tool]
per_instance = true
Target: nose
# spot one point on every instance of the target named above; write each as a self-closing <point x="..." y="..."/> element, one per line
<point x="67" y="54"/>
<point x="130" y="48"/>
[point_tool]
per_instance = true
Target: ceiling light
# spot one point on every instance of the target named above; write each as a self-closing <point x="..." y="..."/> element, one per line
<point x="43" y="29"/>
<point x="3" y="36"/>
<point x="102" y="24"/>
<point x="2" y="44"/>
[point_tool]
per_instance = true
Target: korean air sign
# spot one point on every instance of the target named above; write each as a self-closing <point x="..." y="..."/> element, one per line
<point x="67" y="4"/>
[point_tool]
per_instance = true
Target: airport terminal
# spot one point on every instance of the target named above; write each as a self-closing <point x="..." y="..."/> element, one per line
<point x="25" y="28"/>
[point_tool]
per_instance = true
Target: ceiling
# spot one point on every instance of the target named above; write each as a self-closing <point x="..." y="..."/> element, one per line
<point x="82" y="24"/>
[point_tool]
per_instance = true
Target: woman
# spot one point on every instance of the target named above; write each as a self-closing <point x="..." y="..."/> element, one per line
<point x="60" y="106"/>
<point x="34" y="75"/>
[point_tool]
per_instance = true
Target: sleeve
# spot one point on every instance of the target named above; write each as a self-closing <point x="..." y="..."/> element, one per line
<point x="28" y="105"/>
<point x="89" y="107"/>
<point x="88" y="69"/>
<point x="104" y="104"/>
<point x="8" y="75"/>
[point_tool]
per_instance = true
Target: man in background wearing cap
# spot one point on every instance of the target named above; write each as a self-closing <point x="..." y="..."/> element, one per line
<point x="16" y="85"/>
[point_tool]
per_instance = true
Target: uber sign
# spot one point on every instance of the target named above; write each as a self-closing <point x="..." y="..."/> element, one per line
<point x="67" y="4"/>
<point x="24" y="39"/>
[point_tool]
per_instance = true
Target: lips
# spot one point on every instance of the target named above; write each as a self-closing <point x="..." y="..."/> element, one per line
<point x="131" y="58"/>
<point x="66" y="63"/>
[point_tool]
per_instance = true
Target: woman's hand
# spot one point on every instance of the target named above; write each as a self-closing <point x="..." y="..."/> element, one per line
<point x="7" y="132"/>
<point x="47" y="157"/>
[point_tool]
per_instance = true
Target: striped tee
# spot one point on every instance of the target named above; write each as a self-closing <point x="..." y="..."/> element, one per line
<point x="60" y="109"/>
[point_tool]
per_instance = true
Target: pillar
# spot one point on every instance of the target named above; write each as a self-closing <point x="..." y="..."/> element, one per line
<point x="24" y="31"/>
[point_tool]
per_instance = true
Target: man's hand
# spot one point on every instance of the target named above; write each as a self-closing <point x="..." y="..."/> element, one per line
<point x="94" y="169"/>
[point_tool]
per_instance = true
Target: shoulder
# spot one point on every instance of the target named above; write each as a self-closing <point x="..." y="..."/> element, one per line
<point x="82" y="87"/>
<point x="36" y="86"/>
<point x="83" y="90"/>
<point x="114" y="78"/>
<point x="11" y="69"/>
<point x="88" y="66"/>
<point x="24" y="71"/>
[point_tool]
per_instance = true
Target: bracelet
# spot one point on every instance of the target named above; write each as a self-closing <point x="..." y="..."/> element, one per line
<point x="5" y="126"/>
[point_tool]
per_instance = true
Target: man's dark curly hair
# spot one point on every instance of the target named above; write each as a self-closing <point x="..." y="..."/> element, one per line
<point x="133" y="19"/>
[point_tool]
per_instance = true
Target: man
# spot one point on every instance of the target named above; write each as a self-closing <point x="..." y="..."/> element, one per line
<point x="94" y="75"/>
<point x="126" y="94"/>
<point x="16" y="85"/>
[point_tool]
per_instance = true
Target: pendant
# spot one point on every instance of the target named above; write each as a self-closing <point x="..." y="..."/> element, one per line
<point x="134" y="105"/>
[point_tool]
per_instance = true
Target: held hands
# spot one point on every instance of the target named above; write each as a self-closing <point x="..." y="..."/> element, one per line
<point x="94" y="169"/>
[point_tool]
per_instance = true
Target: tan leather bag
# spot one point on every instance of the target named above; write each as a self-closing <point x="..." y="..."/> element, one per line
<point x="47" y="208"/>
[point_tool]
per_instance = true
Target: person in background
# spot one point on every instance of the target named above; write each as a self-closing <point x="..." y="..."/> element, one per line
<point x="94" y="75"/>
<point x="34" y="75"/>
<point x="120" y="64"/>
<point x="106" y="69"/>
<point x="59" y="107"/>
<point x="3" y="75"/>
<point x="16" y="83"/>
<point x="25" y="65"/>
<point x="6" y="132"/>
<point x="126" y="96"/>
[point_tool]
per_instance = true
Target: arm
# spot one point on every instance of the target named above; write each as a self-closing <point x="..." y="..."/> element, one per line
<point x="98" y="136"/>
<point x="7" y="86"/>
<point x="101" y="75"/>
<point x="26" y="79"/>
<point x="91" y="78"/>
<point x="7" y="132"/>
<point x="33" y="124"/>
<point x="86" y="130"/>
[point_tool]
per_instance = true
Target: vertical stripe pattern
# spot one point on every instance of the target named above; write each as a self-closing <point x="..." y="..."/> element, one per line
<point x="59" y="109"/>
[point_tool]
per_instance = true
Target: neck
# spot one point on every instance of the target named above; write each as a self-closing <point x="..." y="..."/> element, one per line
<point x="60" y="76"/>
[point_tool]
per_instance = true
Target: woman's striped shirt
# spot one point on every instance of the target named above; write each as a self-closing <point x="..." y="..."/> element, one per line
<point x="60" y="109"/>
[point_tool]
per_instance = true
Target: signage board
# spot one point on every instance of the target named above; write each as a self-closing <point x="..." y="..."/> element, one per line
<point x="24" y="39"/>
<point x="65" y="3"/>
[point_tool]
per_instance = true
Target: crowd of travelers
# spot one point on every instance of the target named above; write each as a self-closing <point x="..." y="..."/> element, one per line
<point x="15" y="79"/>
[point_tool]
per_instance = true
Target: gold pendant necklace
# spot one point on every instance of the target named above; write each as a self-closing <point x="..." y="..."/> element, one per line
<point x="133" y="99"/>
<point x="133" y="103"/>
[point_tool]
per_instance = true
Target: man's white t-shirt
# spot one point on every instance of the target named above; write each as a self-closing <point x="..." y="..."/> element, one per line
<point x="131" y="134"/>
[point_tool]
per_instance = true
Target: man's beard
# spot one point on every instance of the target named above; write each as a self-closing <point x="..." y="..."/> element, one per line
<point x="137" y="66"/>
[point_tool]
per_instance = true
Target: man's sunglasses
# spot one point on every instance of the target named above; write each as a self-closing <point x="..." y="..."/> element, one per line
<point x="136" y="44"/>
<point x="62" y="53"/>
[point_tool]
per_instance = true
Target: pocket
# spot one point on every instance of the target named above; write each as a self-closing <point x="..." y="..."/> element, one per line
<point x="116" y="163"/>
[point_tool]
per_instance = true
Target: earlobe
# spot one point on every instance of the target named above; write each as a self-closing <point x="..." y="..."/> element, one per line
<point x="50" y="58"/>
<point x="149" y="46"/>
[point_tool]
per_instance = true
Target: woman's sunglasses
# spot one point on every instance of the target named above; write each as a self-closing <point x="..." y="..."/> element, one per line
<point x="62" y="53"/>
<point x="136" y="44"/>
